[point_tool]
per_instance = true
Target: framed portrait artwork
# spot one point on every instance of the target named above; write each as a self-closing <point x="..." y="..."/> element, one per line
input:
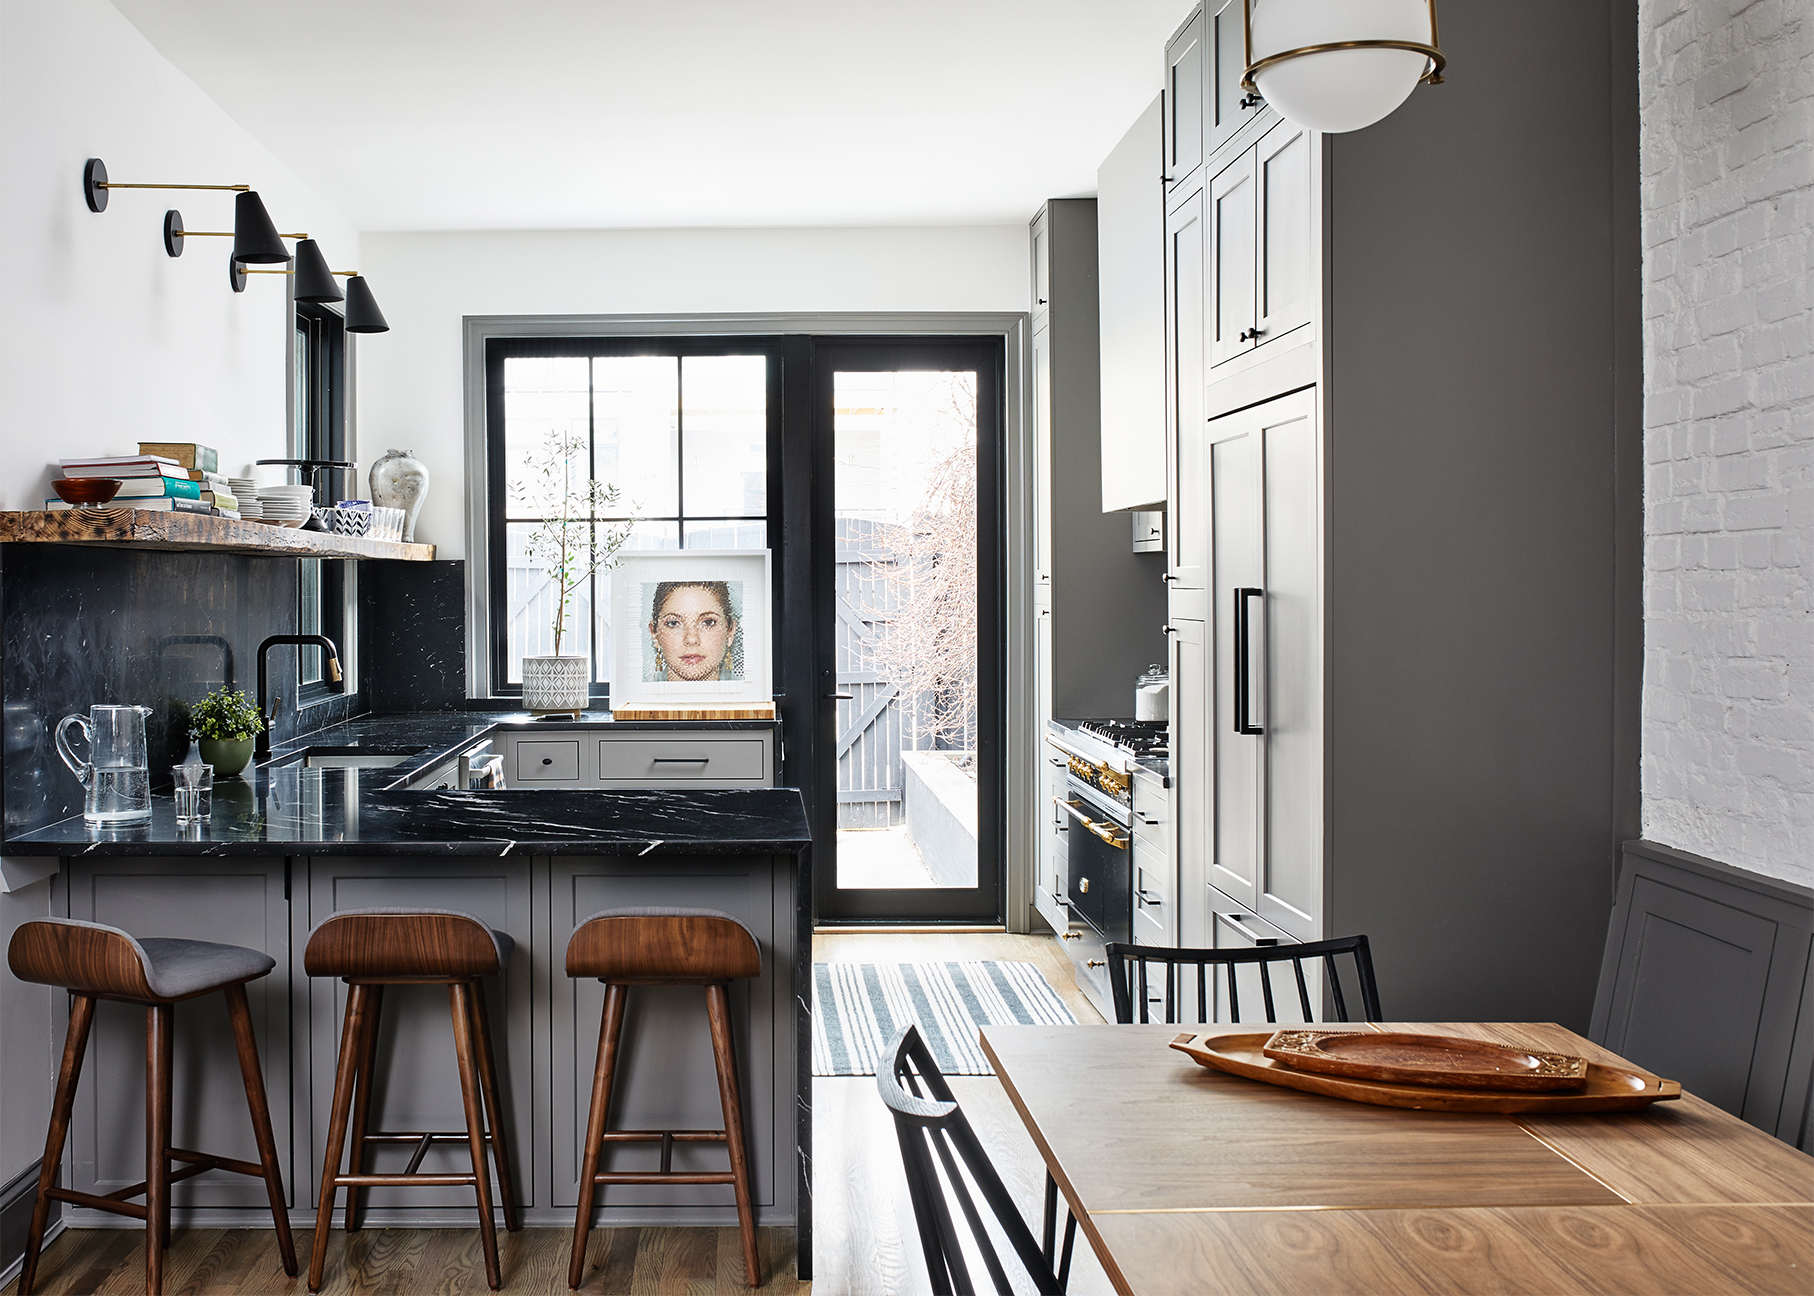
<point x="690" y="627"/>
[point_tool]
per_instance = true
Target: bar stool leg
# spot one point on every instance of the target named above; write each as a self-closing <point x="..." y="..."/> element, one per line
<point x="459" y="994"/>
<point x="718" y="1013"/>
<point x="604" y="1071"/>
<point x="159" y="1018"/>
<point x="75" y="1046"/>
<point x="250" y="1071"/>
<point x="352" y="1030"/>
<point x="362" y="1101"/>
<point x="494" y="1112"/>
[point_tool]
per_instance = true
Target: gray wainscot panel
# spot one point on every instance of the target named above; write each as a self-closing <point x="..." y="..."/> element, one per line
<point x="1706" y="980"/>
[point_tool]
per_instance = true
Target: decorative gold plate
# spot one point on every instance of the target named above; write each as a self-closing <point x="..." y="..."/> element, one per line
<point x="1607" y="1088"/>
<point x="1444" y="1060"/>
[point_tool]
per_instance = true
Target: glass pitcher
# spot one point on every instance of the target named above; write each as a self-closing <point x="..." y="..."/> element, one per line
<point x="116" y="775"/>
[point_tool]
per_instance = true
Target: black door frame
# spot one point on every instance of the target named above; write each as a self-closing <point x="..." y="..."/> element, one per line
<point x="986" y="903"/>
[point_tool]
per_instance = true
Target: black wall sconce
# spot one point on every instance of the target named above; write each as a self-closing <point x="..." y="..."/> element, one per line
<point x="95" y="185"/>
<point x="315" y="283"/>
<point x="255" y="239"/>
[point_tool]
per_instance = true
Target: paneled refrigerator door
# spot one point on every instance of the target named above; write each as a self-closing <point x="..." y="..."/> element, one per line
<point x="1266" y="609"/>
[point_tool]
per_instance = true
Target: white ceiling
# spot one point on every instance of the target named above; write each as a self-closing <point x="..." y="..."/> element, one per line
<point x="541" y="114"/>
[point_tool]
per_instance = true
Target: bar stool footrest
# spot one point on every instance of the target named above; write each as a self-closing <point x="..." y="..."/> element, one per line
<point x="659" y="1177"/>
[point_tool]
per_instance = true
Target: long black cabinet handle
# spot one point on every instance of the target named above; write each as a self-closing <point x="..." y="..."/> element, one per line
<point x="1243" y="667"/>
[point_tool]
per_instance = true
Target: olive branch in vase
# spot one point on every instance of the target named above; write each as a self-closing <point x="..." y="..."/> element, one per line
<point x="571" y="542"/>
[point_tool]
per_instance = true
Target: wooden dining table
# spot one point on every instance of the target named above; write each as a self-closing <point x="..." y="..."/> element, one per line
<point x="1191" y="1180"/>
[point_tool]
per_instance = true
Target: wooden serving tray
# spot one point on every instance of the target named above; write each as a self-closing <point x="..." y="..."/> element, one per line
<point x="1607" y="1088"/>
<point x="1447" y="1061"/>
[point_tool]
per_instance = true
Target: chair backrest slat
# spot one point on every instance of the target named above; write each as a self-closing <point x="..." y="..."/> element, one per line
<point x="934" y="1126"/>
<point x="1128" y="974"/>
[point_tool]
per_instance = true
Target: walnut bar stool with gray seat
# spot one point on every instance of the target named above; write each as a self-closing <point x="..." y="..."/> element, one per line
<point x="370" y="949"/>
<point x="656" y="947"/>
<point x="93" y="962"/>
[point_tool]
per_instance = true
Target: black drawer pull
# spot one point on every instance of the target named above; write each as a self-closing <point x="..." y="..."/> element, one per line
<point x="682" y="760"/>
<point x="547" y="760"/>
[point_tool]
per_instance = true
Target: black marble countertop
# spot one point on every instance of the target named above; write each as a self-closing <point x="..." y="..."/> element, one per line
<point x="282" y="808"/>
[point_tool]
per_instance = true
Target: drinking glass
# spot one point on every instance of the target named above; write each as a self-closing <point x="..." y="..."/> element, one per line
<point x="186" y="799"/>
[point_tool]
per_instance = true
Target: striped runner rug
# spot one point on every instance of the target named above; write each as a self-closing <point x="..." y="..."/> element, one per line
<point x="857" y="1007"/>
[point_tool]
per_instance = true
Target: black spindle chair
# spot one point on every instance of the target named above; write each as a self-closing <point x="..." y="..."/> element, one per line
<point x="930" y="1124"/>
<point x="1129" y="979"/>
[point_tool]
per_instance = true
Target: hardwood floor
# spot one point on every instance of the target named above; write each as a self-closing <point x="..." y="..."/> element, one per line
<point x="865" y="1241"/>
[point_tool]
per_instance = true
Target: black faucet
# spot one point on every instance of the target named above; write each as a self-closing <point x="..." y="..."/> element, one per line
<point x="262" y="746"/>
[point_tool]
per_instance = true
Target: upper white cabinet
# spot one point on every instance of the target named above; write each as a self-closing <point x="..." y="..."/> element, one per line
<point x="1185" y="302"/>
<point x="1130" y="251"/>
<point x="1226" y="107"/>
<point x="1262" y="244"/>
<point x="1184" y="68"/>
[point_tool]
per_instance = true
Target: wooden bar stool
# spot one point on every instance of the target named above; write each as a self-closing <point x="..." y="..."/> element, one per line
<point x="93" y="962"/>
<point x="370" y="949"/>
<point x="654" y="947"/>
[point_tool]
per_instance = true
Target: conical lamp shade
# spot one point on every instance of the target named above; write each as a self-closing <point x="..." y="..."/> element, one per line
<point x="255" y="240"/>
<point x="314" y="281"/>
<point x="362" y="313"/>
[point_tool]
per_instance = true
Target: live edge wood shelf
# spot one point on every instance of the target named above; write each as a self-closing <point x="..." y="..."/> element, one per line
<point x="143" y="529"/>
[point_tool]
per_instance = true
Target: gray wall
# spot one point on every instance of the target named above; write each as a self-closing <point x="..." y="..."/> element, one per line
<point x="1483" y="539"/>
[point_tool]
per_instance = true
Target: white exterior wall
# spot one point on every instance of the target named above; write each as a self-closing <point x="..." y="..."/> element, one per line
<point x="1728" y="208"/>
<point x="410" y="382"/>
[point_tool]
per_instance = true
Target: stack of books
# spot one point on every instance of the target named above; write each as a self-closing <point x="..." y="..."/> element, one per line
<point x="177" y="478"/>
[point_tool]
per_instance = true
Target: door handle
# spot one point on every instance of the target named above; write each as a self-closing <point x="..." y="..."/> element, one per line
<point x="1239" y="922"/>
<point x="1243" y="701"/>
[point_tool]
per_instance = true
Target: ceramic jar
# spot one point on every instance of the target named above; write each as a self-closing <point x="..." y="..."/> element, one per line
<point x="399" y="480"/>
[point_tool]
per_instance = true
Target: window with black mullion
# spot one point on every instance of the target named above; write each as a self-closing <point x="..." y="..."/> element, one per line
<point x="681" y="426"/>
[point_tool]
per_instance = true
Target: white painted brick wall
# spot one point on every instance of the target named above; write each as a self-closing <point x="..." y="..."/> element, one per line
<point x="1727" y="90"/>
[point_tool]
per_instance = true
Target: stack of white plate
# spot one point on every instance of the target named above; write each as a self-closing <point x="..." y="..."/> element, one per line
<point x="245" y="490"/>
<point x="288" y="505"/>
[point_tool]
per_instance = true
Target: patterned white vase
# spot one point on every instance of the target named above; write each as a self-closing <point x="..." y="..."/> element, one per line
<point x="555" y="684"/>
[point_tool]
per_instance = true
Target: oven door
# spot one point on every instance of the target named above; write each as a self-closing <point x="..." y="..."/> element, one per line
<point x="1100" y="868"/>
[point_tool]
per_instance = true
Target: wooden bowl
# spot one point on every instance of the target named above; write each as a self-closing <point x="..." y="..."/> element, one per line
<point x="86" y="491"/>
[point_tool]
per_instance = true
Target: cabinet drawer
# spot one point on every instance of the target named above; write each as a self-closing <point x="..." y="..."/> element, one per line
<point x="548" y="761"/>
<point x="666" y="760"/>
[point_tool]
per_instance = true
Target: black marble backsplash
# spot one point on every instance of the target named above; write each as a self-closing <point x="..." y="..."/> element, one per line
<point x="86" y="625"/>
<point x="412" y="627"/>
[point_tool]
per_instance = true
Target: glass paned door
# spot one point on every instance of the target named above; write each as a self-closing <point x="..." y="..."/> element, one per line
<point x="913" y="635"/>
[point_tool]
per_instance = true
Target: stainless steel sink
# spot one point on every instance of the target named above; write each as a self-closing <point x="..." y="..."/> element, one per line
<point x="350" y="757"/>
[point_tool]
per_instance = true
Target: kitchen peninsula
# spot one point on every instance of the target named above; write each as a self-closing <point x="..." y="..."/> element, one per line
<point x="322" y="827"/>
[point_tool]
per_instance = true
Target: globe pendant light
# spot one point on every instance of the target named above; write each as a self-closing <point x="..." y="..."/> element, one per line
<point x="314" y="281"/>
<point x="362" y="313"/>
<point x="1339" y="65"/>
<point x="255" y="238"/>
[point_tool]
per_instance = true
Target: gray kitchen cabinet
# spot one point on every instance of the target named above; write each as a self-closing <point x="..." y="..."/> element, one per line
<point x="418" y="1081"/>
<point x="1445" y="533"/>
<point x="1051" y="866"/>
<point x="1041" y="247"/>
<point x="1261" y="275"/>
<point x="1184" y="101"/>
<point x="232" y="901"/>
<point x="1106" y="603"/>
<point x="1226" y="107"/>
<point x="1188" y="506"/>
<point x="1130" y="251"/>
<point x="1234" y="926"/>
<point x="1266" y="695"/>
<point x="1190" y="805"/>
<point x="667" y="1079"/>
<point x="1155" y="883"/>
<point x="607" y="757"/>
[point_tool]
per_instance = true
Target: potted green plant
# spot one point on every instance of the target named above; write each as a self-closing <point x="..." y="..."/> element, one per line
<point x="570" y="543"/>
<point x="224" y="723"/>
